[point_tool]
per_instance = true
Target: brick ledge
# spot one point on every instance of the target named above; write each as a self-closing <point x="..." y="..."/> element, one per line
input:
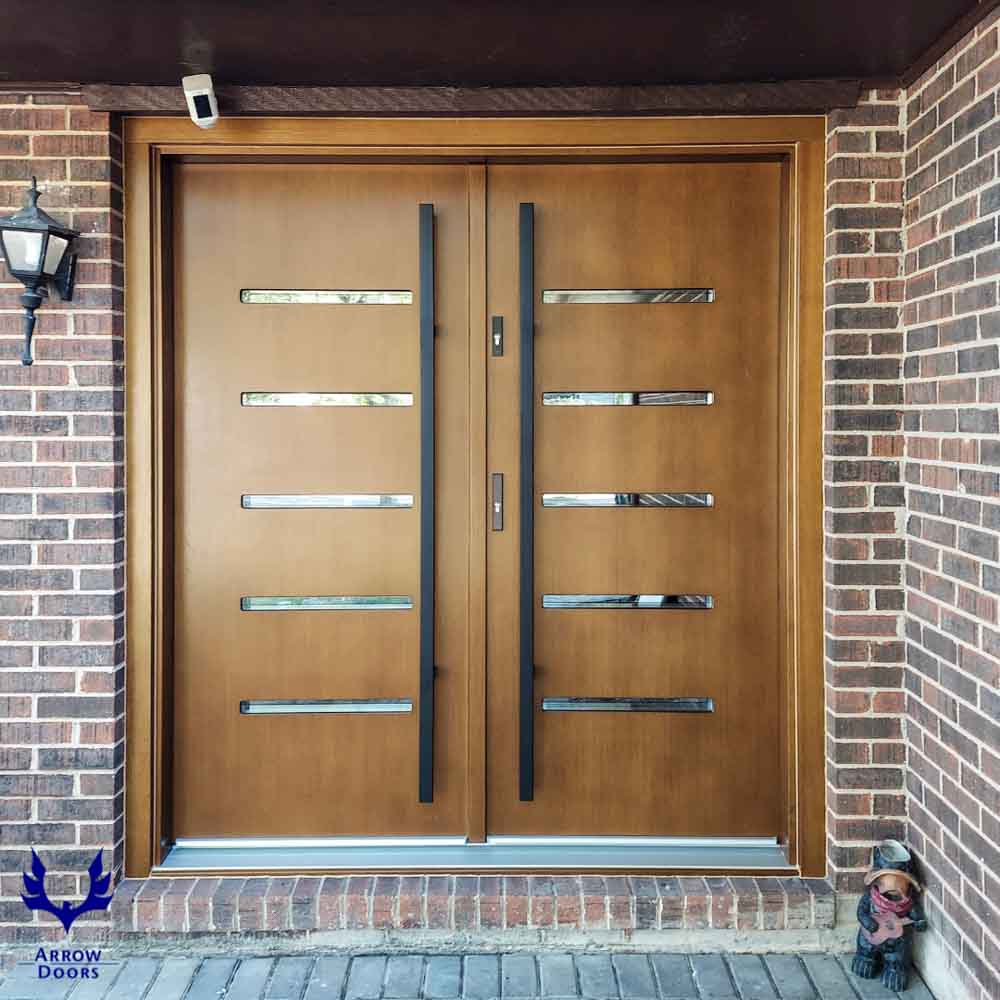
<point x="468" y="903"/>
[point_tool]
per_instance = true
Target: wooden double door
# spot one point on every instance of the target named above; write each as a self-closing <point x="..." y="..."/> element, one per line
<point x="394" y="619"/>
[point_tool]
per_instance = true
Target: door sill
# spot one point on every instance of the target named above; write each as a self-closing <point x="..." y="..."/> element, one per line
<point x="498" y="854"/>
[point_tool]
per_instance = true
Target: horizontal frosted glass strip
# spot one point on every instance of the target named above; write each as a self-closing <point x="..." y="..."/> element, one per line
<point x="627" y="500"/>
<point x="272" y="501"/>
<point x="377" y="603"/>
<point x="654" y="601"/>
<point x="640" y="296"/>
<point x="326" y="706"/>
<point x="324" y="297"/>
<point x="327" y="399"/>
<point x="661" y="398"/>
<point x="628" y="705"/>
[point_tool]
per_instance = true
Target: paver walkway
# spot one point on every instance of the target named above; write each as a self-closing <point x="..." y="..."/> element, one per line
<point x="591" y="975"/>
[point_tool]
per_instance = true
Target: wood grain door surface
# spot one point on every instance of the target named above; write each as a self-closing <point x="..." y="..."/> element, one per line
<point x="280" y="227"/>
<point x="598" y="226"/>
<point x="642" y="226"/>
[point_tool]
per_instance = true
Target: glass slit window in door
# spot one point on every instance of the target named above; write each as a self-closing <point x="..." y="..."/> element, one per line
<point x="326" y="399"/>
<point x="661" y="397"/>
<point x="668" y="602"/>
<point x="352" y="501"/>
<point x="628" y="705"/>
<point x="627" y="296"/>
<point x="324" y="706"/>
<point x="325" y="297"/>
<point x="339" y="603"/>
<point x="666" y="500"/>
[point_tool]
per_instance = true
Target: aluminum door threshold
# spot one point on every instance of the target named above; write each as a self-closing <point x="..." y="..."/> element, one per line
<point x="451" y="854"/>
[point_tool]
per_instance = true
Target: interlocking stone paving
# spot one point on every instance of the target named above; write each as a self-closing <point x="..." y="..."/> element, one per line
<point x="516" y="976"/>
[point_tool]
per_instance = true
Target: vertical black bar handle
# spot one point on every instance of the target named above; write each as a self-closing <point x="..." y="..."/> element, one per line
<point x="426" y="720"/>
<point x="526" y="698"/>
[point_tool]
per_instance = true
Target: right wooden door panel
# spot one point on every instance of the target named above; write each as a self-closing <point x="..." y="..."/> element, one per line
<point x="656" y="524"/>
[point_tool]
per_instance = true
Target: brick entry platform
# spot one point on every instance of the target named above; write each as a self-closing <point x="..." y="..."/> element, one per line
<point x="468" y="903"/>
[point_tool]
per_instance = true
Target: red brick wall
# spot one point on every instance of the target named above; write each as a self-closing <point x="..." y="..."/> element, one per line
<point x="913" y="494"/>
<point x="61" y="511"/>
<point x="864" y="491"/>
<point x="951" y="466"/>
<point x="912" y="512"/>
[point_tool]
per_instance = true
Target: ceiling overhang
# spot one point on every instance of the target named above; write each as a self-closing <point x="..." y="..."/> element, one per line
<point x="469" y="45"/>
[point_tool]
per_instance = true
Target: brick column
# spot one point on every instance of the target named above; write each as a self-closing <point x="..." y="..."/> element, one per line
<point x="864" y="495"/>
<point x="61" y="518"/>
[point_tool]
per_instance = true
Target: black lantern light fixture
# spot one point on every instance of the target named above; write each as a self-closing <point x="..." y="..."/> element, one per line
<point x="38" y="251"/>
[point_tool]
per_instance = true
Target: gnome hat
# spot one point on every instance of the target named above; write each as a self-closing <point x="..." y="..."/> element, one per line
<point x="892" y="854"/>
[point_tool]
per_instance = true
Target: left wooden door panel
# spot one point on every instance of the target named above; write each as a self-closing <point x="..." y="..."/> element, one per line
<point x="260" y="484"/>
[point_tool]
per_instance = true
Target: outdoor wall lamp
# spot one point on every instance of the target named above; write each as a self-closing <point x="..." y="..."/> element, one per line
<point x="36" y="249"/>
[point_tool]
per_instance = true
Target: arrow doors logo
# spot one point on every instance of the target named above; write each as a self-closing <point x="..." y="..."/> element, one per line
<point x="36" y="898"/>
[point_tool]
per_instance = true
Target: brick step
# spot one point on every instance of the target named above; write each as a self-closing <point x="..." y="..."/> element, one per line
<point x="468" y="903"/>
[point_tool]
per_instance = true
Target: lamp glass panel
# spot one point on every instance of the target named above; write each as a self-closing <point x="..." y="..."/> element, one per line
<point x="54" y="253"/>
<point x="23" y="250"/>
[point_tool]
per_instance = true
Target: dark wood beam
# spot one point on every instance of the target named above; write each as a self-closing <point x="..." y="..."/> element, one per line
<point x="791" y="97"/>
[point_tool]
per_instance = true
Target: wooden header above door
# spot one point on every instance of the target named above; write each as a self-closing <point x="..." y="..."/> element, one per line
<point x="787" y="97"/>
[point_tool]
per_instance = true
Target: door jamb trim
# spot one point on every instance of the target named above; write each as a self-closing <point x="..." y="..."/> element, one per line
<point x="150" y="143"/>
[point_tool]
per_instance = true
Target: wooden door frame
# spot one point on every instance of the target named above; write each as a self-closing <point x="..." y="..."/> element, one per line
<point x="150" y="145"/>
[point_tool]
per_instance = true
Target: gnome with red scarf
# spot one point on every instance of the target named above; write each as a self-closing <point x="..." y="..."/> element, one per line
<point x="888" y="912"/>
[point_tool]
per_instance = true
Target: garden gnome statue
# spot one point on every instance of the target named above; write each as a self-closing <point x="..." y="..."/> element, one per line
<point x="888" y="912"/>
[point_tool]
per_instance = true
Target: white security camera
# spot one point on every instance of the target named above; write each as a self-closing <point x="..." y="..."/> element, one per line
<point x="200" y="96"/>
